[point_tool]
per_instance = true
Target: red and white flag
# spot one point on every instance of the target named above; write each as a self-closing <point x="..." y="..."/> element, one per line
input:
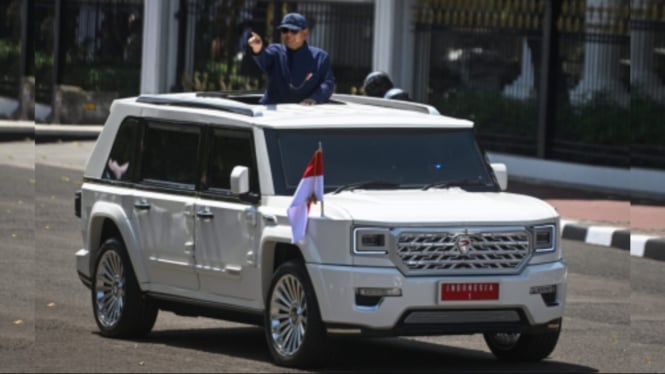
<point x="310" y="189"/>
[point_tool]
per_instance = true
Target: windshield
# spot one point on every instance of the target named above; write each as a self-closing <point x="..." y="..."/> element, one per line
<point x="390" y="158"/>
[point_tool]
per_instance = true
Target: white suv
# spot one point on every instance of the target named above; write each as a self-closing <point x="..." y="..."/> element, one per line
<point x="183" y="208"/>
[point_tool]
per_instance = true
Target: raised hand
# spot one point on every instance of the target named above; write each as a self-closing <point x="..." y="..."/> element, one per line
<point x="255" y="42"/>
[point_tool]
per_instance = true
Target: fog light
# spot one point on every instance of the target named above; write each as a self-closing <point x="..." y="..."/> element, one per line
<point x="379" y="291"/>
<point x="543" y="289"/>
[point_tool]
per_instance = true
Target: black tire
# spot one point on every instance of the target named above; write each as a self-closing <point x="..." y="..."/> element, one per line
<point x="522" y="347"/>
<point x="305" y="349"/>
<point x="122" y="311"/>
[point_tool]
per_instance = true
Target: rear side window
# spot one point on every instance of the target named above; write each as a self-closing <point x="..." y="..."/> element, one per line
<point x="230" y="148"/>
<point x="170" y="153"/>
<point x="120" y="164"/>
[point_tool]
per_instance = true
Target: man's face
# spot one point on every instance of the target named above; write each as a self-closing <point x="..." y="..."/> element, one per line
<point x="293" y="39"/>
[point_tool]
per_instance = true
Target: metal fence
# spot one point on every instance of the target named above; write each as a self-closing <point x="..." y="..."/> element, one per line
<point x="482" y="67"/>
<point x="42" y="18"/>
<point x="216" y="32"/>
<point x="10" y="34"/>
<point x="647" y="77"/>
<point x="489" y="58"/>
<point x="94" y="45"/>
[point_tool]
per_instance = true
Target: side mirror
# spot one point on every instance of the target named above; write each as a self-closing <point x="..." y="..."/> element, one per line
<point x="240" y="185"/>
<point x="240" y="180"/>
<point x="501" y="174"/>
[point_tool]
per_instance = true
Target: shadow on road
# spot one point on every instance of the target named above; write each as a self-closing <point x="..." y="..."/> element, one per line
<point x="359" y="354"/>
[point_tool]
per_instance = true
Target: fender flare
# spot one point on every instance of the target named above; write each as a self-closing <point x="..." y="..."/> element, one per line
<point x="102" y="210"/>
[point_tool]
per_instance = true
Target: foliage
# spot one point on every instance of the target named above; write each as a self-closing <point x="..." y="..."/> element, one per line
<point x="491" y="112"/>
<point x="600" y="121"/>
<point x="218" y="76"/>
<point x="9" y="68"/>
<point x="124" y="80"/>
<point x="9" y="49"/>
<point x="10" y="53"/>
<point x="43" y="61"/>
<point x="647" y="124"/>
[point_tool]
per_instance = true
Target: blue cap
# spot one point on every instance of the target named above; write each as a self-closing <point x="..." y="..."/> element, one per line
<point x="294" y="21"/>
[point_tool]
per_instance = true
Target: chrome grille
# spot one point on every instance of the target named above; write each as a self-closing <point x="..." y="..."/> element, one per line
<point x="480" y="252"/>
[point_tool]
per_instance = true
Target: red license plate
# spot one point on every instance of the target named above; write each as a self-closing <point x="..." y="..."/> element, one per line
<point x="469" y="291"/>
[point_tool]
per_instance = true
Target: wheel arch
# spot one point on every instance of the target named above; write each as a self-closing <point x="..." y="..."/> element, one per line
<point x="109" y="220"/>
<point x="275" y="252"/>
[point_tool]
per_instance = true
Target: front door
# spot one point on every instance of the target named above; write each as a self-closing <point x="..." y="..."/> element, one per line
<point x="226" y="231"/>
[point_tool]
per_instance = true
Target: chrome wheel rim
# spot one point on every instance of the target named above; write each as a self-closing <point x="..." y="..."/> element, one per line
<point x="288" y="315"/>
<point x="506" y="340"/>
<point x="110" y="289"/>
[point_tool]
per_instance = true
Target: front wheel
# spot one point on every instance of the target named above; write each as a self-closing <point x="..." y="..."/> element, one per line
<point x="522" y="347"/>
<point x="294" y="330"/>
<point x="120" y="310"/>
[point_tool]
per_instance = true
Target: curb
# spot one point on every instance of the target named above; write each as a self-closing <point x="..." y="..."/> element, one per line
<point x="47" y="133"/>
<point x="651" y="247"/>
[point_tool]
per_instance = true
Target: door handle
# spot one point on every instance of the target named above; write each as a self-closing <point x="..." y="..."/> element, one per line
<point x="270" y="219"/>
<point x="205" y="214"/>
<point x="142" y="204"/>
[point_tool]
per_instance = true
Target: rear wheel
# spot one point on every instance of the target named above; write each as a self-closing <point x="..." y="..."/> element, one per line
<point x="294" y="331"/>
<point x="119" y="307"/>
<point x="522" y="347"/>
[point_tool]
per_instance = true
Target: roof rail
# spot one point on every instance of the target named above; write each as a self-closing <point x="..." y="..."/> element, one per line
<point x="387" y="103"/>
<point x="246" y="97"/>
<point x="224" y="105"/>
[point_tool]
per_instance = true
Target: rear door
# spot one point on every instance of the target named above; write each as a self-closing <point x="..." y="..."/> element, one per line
<point x="164" y="201"/>
<point x="226" y="227"/>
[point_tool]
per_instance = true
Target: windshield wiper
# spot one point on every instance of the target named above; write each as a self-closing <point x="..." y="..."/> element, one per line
<point x="366" y="185"/>
<point x="454" y="182"/>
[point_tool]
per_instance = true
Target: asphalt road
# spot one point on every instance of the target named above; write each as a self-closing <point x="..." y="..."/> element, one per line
<point x="614" y="322"/>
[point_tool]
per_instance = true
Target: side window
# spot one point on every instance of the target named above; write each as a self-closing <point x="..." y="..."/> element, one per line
<point x="170" y="153"/>
<point x="119" y="165"/>
<point x="231" y="148"/>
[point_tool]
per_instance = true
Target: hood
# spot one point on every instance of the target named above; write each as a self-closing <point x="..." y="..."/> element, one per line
<point x="437" y="206"/>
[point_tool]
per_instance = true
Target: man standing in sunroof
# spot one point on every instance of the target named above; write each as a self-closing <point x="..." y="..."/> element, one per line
<point x="297" y="72"/>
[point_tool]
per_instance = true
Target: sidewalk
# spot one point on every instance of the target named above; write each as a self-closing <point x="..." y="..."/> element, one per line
<point x="610" y="220"/>
<point x="600" y="218"/>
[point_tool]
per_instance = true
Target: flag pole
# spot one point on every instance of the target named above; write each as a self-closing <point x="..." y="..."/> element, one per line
<point x="321" y="150"/>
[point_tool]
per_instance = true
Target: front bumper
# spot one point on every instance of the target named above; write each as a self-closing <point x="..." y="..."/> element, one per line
<point x="419" y="309"/>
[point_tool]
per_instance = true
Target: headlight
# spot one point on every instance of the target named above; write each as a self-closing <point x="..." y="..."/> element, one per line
<point x="544" y="238"/>
<point x="370" y="241"/>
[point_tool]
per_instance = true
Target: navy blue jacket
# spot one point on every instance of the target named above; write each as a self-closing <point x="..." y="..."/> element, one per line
<point x="295" y="75"/>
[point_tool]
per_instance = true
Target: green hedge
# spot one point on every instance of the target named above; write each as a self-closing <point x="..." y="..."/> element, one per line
<point x="491" y="112"/>
<point x="647" y="122"/>
<point x="599" y="122"/>
<point x="124" y="80"/>
<point x="9" y="68"/>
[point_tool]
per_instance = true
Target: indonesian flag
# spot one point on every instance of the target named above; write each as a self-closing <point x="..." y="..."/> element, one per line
<point x="310" y="189"/>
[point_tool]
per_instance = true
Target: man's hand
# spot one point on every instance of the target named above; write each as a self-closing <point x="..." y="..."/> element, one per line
<point x="308" y="101"/>
<point x="255" y="42"/>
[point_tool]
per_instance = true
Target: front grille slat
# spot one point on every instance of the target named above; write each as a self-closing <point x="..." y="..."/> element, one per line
<point x="427" y="244"/>
<point x="463" y="262"/>
<point x="486" y="252"/>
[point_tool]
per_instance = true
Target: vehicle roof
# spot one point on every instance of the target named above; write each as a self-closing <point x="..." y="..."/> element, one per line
<point x="342" y="111"/>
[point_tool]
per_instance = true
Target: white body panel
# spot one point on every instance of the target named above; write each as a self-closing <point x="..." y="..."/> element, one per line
<point x="226" y="249"/>
<point x="335" y="288"/>
<point x="166" y="231"/>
